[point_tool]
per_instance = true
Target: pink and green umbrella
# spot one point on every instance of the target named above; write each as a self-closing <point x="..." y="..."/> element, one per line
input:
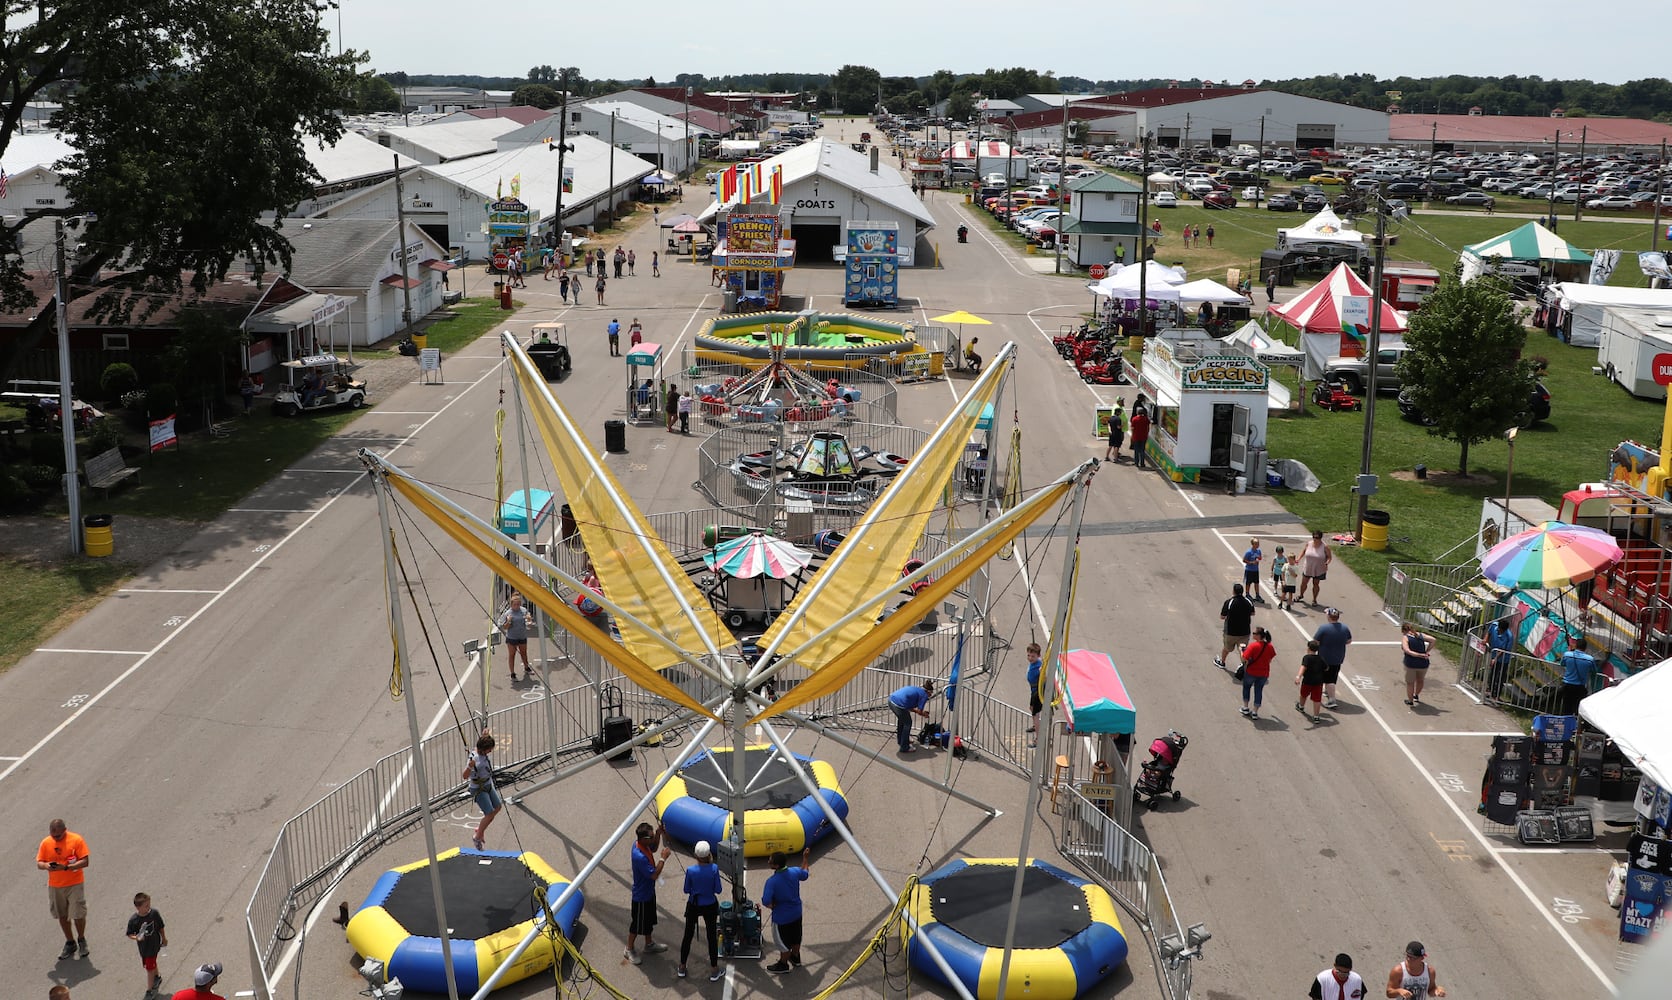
<point x="1552" y="555"/>
<point x="757" y="554"/>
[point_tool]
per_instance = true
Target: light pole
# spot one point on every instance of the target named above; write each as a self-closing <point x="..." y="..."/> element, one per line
<point x="685" y="170"/>
<point x="1509" y="474"/>
<point x="562" y="148"/>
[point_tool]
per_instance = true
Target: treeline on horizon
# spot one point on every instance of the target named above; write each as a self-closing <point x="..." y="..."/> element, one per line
<point x="855" y="89"/>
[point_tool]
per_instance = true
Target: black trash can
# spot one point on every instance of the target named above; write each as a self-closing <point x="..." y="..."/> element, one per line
<point x="566" y="518"/>
<point x="615" y="436"/>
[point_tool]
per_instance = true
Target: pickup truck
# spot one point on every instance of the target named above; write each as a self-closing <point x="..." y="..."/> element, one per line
<point x="1355" y="372"/>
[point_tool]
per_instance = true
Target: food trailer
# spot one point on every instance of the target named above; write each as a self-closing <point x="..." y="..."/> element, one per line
<point x="873" y="264"/>
<point x="1209" y="410"/>
<point x="753" y="258"/>
<point x="513" y="230"/>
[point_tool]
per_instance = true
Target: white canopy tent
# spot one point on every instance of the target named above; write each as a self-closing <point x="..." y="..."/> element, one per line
<point x="1122" y="282"/>
<point x="1209" y="290"/>
<point x="1634" y="714"/>
<point x="1255" y="342"/>
<point x="1163" y="181"/>
<point x="1325" y="227"/>
<point x="1586" y="303"/>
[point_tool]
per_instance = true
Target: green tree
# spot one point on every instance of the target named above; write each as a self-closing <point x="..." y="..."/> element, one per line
<point x="856" y="89"/>
<point x="1463" y="368"/>
<point x="373" y="93"/>
<point x="201" y="357"/>
<point x="536" y="95"/>
<point x="542" y="74"/>
<point x="189" y="118"/>
<point x="961" y="107"/>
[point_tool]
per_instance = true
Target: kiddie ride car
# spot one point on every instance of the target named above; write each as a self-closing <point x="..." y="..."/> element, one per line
<point x="320" y="382"/>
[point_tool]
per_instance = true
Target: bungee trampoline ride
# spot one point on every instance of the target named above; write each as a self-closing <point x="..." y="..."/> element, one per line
<point x="758" y="796"/>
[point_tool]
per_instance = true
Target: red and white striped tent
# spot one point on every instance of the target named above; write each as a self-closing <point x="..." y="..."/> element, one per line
<point x="988" y="158"/>
<point x="1316" y="313"/>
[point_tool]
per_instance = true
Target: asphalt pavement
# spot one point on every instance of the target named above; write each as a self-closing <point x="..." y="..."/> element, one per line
<point x="237" y="681"/>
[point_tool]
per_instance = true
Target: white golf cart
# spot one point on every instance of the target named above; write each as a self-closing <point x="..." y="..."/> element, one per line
<point x="320" y="382"/>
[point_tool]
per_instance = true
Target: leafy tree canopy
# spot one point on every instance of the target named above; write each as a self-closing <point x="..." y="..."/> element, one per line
<point x="1463" y="366"/>
<point x="189" y="118"/>
<point x="536" y="95"/>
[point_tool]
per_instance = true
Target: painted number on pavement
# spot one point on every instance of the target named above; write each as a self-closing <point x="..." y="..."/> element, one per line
<point x="1364" y="683"/>
<point x="1451" y="782"/>
<point x="1568" y="910"/>
<point x="259" y="549"/>
<point x="174" y="622"/>
<point x="75" y="701"/>
<point x="1456" y="850"/>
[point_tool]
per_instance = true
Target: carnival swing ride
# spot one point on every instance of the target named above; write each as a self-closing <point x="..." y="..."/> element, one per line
<point x="667" y="639"/>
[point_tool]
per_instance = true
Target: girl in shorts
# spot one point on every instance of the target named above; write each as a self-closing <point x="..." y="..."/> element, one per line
<point x="1291" y="580"/>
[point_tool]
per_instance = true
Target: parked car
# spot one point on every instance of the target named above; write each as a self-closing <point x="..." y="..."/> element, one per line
<point x="1282" y="203"/>
<point x="1472" y="198"/>
<point x="1219" y="199"/>
<point x="1355" y="372"/>
<point x="1164" y="199"/>
<point x="1314" y="203"/>
<point x="1405" y="187"/>
<point x="1620" y="201"/>
<point x="1538" y="407"/>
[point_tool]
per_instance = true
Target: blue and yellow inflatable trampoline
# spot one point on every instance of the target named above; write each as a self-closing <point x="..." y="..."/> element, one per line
<point x="492" y="900"/>
<point x="779" y="815"/>
<point x="1068" y="936"/>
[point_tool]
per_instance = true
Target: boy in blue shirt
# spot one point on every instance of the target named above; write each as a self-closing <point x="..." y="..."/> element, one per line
<point x="642" y="918"/>
<point x="782" y="896"/>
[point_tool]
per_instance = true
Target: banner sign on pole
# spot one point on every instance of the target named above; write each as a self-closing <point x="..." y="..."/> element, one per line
<point x="162" y="433"/>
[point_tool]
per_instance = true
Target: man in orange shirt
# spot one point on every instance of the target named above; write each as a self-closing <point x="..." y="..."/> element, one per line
<point x="63" y="856"/>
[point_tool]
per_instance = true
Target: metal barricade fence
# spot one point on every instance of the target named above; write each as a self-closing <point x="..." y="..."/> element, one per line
<point x="1438" y="598"/>
<point x="1513" y="680"/>
<point x="1118" y="861"/>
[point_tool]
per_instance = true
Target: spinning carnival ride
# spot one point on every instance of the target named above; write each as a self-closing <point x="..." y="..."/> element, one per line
<point x="833" y="628"/>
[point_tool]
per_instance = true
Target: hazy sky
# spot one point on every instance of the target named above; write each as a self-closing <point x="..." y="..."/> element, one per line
<point x="1217" y="40"/>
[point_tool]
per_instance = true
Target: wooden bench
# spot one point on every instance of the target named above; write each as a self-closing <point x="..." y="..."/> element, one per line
<point x="107" y="471"/>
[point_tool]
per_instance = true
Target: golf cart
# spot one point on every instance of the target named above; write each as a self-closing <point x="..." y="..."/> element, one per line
<point x="548" y="348"/>
<point x="320" y="382"/>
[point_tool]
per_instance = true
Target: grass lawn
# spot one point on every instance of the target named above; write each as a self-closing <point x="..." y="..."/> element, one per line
<point x="198" y="482"/>
<point x="1589" y="416"/>
<point x="43" y="600"/>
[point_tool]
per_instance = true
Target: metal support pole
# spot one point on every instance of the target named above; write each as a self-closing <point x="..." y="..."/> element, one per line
<point x="66" y="393"/>
<point x="510" y="960"/>
<point x="865" y="861"/>
<point x="539" y="616"/>
<point x="740" y="782"/>
<point x="1053" y="648"/>
<point x="1373" y="347"/>
<point x="609" y="196"/>
<point x="386" y="526"/>
<point x="562" y="148"/>
<point x="1509" y="475"/>
<point x="1062" y="193"/>
<point x="1143" y="239"/>
<point x="878" y="755"/>
<point x="1579" y="191"/>
<point x="653" y="733"/>
<point x="1660" y="188"/>
<point x="1555" y="161"/>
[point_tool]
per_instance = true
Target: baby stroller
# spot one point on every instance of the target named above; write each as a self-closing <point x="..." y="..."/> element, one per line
<point x="1155" y="779"/>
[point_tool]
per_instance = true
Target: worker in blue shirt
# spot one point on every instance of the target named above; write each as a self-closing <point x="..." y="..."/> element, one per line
<point x="906" y="702"/>
<point x="1500" y="650"/>
<point x="781" y="895"/>
<point x="702" y="901"/>
<point x="1035" y="704"/>
<point x="1577" y="667"/>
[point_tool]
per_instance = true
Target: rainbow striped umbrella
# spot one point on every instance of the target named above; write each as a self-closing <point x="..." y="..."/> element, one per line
<point x="757" y="554"/>
<point x="1552" y="555"/>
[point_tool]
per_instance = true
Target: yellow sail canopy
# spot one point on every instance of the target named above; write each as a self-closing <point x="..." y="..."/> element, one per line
<point x="877" y="636"/>
<point x="542" y="597"/>
<point x="635" y="569"/>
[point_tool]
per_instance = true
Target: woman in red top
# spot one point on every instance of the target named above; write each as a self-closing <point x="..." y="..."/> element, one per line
<point x="1256" y="670"/>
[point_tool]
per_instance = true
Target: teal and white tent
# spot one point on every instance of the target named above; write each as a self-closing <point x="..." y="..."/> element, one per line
<point x="1532" y="245"/>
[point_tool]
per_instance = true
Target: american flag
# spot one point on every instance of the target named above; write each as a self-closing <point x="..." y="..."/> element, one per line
<point x="2" y="182"/>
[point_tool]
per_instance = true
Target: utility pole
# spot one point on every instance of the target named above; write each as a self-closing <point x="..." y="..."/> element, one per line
<point x="686" y="172"/>
<point x="66" y="395"/>
<point x="1579" y="189"/>
<point x="562" y="148"/>
<point x="1433" y="148"/>
<point x="1185" y="149"/>
<point x="400" y="244"/>
<point x="1062" y="186"/>
<point x="610" y="197"/>
<point x="1660" y="188"/>
<point x="1262" y="141"/>
<point x="1143" y="237"/>
<point x="1374" y="348"/>
<point x="1555" y="163"/>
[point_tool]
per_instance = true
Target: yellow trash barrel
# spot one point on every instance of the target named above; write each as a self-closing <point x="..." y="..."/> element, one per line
<point x="96" y="536"/>
<point x="1374" y="531"/>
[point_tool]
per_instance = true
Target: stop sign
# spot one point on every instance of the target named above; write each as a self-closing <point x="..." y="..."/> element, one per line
<point x="1663" y="369"/>
<point x="1098" y="272"/>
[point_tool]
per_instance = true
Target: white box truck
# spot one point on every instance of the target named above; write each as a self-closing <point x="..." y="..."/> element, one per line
<point x="1632" y="340"/>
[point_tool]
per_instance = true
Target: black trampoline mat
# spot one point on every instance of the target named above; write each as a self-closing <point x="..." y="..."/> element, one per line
<point x="705" y="781"/>
<point x="975" y="901"/>
<point x="483" y="896"/>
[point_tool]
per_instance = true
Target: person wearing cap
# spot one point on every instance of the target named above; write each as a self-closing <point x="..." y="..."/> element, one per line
<point x="1333" y="638"/>
<point x="206" y="976"/>
<point x="63" y="855"/>
<point x="1414" y="978"/>
<point x="906" y="702"/>
<point x="1338" y="982"/>
<point x="702" y="900"/>
<point x="1578" y="666"/>
<point x="645" y="873"/>
<point x="781" y="895"/>
<point x="1237" y="614"/>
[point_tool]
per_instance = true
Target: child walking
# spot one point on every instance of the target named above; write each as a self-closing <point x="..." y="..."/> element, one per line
<point x="146" y="929"/>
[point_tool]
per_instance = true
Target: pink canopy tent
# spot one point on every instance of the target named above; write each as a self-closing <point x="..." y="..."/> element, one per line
<point x="1094" y="698"/>
<point x="1317" y="315"/>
